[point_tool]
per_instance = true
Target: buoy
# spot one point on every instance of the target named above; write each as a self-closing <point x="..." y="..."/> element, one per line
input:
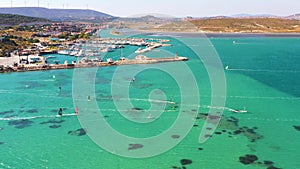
<point x="76" y="110"/>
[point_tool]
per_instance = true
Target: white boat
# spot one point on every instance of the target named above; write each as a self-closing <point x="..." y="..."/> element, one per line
<point x="49" y="57"/>
<point x="63" y="52"/>
<point x="238" y="111"/>
<point x="140" y="50"/>
<point x="79" y="54"/>
<point x="96" y="60"/>
<point x="107" y="49"/>
<point x="243" y="111"/>
<point x="35" y="58"/>
<point x="109" y="60"/>
<point x="73" y="53"/>
<point x="227" y="67"/>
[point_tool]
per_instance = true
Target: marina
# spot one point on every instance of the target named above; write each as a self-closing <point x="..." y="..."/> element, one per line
<point x="89" y="51"/>
<point x="96" y="46"/>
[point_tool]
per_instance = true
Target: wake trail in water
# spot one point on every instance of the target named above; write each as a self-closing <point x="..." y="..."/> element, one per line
<point x="137" y="99"/>
<point x="35" y="117"/>
<point x="46" y="80"/>
<point x="150" y="100"/>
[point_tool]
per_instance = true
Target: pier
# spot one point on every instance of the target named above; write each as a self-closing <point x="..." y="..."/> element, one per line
<point x="42" y="67"/>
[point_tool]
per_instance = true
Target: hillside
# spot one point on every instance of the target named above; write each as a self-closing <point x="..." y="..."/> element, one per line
<point x="248" y="25"/>
<point x="13" y="20"/>
<point x="231" y="25"/>
<point x="55" y="14"/>
<point x="296" y="17"/>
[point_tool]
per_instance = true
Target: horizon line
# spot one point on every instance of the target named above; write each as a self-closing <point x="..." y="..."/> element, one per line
<point x="153" y="14"/>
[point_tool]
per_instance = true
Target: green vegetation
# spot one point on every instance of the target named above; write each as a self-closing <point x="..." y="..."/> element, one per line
<point x="6" y="46"/>
<point x="25" y="37"/>
<point x="31" y="28"/>
<point x="12" y="20"/>
<point x="12" y="41"/>
<point x="68" y="36"/>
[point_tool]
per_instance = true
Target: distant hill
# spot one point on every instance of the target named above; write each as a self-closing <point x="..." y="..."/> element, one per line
<point x="147" y="18"/>
<point x="230" y="25"/>
<point x="254" y="16"/>
<point x="295" y="17"/>
<point x="55" y="14"/>
<point x="255" y="25"/>
<point x="12" y="20"/>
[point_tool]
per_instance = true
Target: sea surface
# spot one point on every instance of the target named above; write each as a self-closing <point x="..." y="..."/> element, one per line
<point x="263" y="77"/>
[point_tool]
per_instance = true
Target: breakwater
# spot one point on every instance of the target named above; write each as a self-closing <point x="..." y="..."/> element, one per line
<point x="41" y="67"/>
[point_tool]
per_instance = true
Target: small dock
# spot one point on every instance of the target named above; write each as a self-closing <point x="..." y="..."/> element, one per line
<point x="42" y="67"/>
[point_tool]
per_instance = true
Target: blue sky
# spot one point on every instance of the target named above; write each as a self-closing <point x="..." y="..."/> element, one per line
<point x="179" y="8"/>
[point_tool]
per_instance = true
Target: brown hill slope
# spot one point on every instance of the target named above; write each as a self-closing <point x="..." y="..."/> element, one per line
<point x="248" y="25"/>
<point x="231" y="25"/>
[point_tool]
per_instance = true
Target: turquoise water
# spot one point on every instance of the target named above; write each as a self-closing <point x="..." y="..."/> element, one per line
<point x="263" y="77"/>
<point x="60" y="59"/>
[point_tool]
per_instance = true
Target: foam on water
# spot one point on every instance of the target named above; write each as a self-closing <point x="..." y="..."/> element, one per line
<point x="35" y="117"/>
